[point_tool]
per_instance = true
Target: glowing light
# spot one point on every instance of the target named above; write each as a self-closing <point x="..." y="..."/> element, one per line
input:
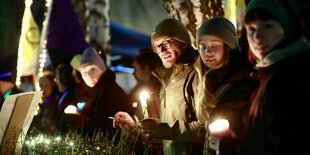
<point x="40" y="139"/>
<point x="58" y="138"/>
<point x="33" y="143"/>
<point x="47" y="141"/>
<point x="80" y="105"/>
<point x="144" y="95"/>
<point x="43" y="52"/>
<point x="71" y="109"/>
<point x="134" y="104"/>
<point x="219" y="126"/>
<point x="71" y="143"/>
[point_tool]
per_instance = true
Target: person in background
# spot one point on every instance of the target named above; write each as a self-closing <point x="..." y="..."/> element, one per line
<point x="106" y="96"/>
<point x="225" y="73"/>
<point x="66" y="85"/>
<point x="179" y="128"/>
<point x="7" y="85"/>
<point x="145" y="62"/>
<point x="71" y="97"/>
<point x="81" y="88"/>
<point x="75" y="64"/>
<point x="280" y="107"/>
<point x="47" y="118"/>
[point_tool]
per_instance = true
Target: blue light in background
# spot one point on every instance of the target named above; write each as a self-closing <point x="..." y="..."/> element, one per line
<point x="121" y="68"/>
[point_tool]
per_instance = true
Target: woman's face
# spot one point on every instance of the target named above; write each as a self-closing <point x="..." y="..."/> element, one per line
<point x="263" y="36"/>
<point x="169" y="50"/>
<point x="91" y="74"/>
<point x="211" y="50"/>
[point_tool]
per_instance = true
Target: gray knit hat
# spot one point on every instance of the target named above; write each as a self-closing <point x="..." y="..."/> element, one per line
<point x="221" y="28"/>
<point x="91" y="56"/>
<point x="172" y="28"/>
<point x="288" y="21"/>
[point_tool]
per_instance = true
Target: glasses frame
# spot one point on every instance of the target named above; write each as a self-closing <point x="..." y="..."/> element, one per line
<point x="166" y="44"/>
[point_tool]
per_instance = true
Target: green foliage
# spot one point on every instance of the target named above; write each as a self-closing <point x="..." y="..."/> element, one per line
<point x="74" y="142"/>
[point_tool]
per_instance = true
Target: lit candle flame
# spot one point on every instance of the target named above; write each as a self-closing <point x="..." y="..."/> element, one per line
<point x="71" y="109"/>
<point x="143" y="97"/>
<point x="219" y="126"/>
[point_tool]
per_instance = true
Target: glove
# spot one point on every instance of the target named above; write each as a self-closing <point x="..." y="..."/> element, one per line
<point x="149" y="126"/>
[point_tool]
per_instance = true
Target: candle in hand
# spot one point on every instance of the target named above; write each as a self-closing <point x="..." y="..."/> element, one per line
<point x="143" y="97"/>
<point x="71" y="109"/>
<point x="219" y="128"/>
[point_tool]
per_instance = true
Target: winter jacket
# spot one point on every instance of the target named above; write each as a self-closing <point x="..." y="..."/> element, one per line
<point x="281" y="106"/>
<point x="233" y="104"/>
<point x="234" y="101"/>
<point x="179" y="128"/>
<point x="107" y="98"/>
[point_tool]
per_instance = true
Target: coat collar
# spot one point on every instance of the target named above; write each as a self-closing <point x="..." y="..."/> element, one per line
<point x="295" y="48"/>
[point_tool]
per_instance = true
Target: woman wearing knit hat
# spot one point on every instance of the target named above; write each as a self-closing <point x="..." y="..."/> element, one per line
<point x="281" y="104"/>
<point x="179" y="127"/>
<point x="223" y="72"/>
<point x="106" y="96"/>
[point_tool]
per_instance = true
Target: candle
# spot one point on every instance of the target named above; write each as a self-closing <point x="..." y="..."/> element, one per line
<point x="219" y="127"/>
<point x="71" y="109"/>
<point x="143" y="98"/>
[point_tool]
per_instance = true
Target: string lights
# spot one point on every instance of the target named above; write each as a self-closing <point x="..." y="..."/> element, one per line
<point x="43" y="51"/>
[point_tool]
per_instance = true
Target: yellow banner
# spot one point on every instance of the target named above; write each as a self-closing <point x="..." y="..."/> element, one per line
<point x="28" y="44"/>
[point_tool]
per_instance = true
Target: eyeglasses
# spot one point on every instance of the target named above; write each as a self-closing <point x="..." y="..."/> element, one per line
<point x="202" y="47"/>
<point x="166" y="44"/>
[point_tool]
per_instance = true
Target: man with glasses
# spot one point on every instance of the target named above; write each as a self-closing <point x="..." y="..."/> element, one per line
<point x="179" y="127"/>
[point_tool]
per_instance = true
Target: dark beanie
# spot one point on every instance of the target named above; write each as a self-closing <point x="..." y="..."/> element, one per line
<point x="221" y="28"/>
<point x="278" y="11"/>
<point x="91" y="57"/>
<point x="172" y="28"/>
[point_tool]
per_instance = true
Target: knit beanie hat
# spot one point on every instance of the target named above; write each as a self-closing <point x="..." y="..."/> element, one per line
<point x="172" y="28"/>
<point x="278" y="10"/>
<point x="91" y="57"/>
<point x="221" y="28"/>
<point x="75" y="61"/>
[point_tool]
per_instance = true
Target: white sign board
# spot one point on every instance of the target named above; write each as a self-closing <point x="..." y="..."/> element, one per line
<point x="15" y="118"/>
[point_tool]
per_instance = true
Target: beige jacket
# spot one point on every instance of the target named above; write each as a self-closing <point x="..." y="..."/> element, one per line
<point x="180" y="134"/>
